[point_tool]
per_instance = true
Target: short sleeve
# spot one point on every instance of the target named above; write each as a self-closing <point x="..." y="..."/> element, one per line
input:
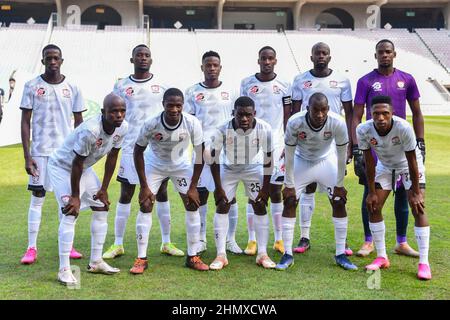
<point x="143" y="139"/>
<point x="287" y="97"/>
<point x="346" y="93"/>
<point x="84" y="142"/>
<point x="197" y="133"/>
<point x="297" y="92"/>
<point x="341" y="136"/>
<point x="412" y="92"/>
<point x="78" y="102"/>
<point x="363" y="143"/>
<point x="290" y="137"/>
<point x="27" y="98"/>
<point x="361" y="92"/>
<point x="408" y="138"/>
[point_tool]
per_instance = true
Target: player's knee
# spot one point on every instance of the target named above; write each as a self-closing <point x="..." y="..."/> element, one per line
<point x="39" y="193"/>
<point x="233" y="201"/>
<point x="146" y="207"/>
<point x="126" y="193"/>
<point x="311" y="188"/>
<point x="203" y="195"/>
<point x="161" y="196"/>
<point x="191" y="206"/>
<point x="290" y="203"/>
<point x="275" y="194"/>
<point x="223" y="207"/>
<point x="259" y="208"/>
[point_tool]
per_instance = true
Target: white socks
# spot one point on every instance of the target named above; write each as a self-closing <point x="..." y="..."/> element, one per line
<point x="340" y="234"/>
<point x="203" y="212"/>
<point x="220" y="232"/>
<point x="99" y="228"/>
<point x="277" y="209"/>
<point x="378" y="230"/>
<point x="261" y="224"/>
<point x="307" y="205"/>
<point x="250" y="226"/>
<point x="233" y="221"/>
<point x="288" y="233"/>
<point x="34" y="219"/>
<point x="163" y="211"/>
<point x="423" y="241"/>
<point x="122" y="213"/>
<point x="66" y="234"/>
<point x="143" y="226"/>
<point x="192" y="232"/>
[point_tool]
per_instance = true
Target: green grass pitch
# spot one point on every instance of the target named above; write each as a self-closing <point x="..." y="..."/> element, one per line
<point x="314" y="276"/>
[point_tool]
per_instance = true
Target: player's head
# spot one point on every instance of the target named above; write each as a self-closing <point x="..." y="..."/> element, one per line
<point x="385" y="53"/>
<point x="320" y="55"/>
<point x="267" y="59"/>
<point x="173" y="101"/>
<point x="113" y="110"/>
<point x="318" y="109"/>
<point x="211" y="66"/>
<point x="141" y="57"/>
<point x="381" y="108"/>
<point x="52" y="58"/>
<point x="244" y="112"/>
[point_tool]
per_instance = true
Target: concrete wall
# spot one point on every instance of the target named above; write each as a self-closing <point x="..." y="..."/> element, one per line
<point x="262" y="20"/>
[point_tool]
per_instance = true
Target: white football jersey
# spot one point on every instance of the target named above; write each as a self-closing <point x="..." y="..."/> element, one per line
<point x="315" y="144"/>
<point x="168" y="146"/>
<point x="144" y="101"/>
<point x="243" y="150"/>
<point x="269" y="97"/>
<point x="336" y="87"/>
<point x="391" y="148"/>
<point x="211" y="106"/>
<point x="88" y="140"/>
<point x="52" y="106"/>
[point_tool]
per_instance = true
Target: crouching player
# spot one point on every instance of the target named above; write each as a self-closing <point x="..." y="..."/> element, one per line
<point x="310" y="158"/>
<point x="239" y="145"/>
<point x="77" y="186"/>
<point x="394" y="143"/>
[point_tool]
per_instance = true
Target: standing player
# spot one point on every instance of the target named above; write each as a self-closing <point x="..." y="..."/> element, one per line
<point x="394" y="143"/>
<point x="142" y="92"/>
<point x="272" y="98"/>
<point x="310" y="158"/>
<point x="48" y="103"/>
<point x="77" y="187"/>
<point x="243" y="139"/>
<point x="168" y="136"/>
<point x="401" y="87"/>
<point x="211" y="102"/>
<point x="338" y="91"/>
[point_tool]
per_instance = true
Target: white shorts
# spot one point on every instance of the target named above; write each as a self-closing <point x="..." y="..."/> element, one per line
<point x="251" y="178"/>
<point x="127" y="170"/>
<point x="323" y="172"/>
<point x="278" y="167"/>
<point x="385" y="179"/>
<point x="41" y="182"/>
<point x="89" y="186"/>
<point x="206" y="180"/>
<point x="180" y="177"/>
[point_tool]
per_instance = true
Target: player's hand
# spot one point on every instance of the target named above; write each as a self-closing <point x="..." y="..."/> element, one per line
<point x="31" y="167"/>
<point x="421" y="146"/>
<point x="372" y="202"/>
<point x="220" y="196"/>
<point x="288" y="192"/>
<point x="358" y="161"/>
<point x="263" y="195"/>
<point x="339" y="194"/>
<point x="193" y="196"/>
<point x="349" y="153"/>
<point x="102" y="195"/>
<point x="72" y="208"/>
<point x="416" y="202"/>
<point x="146" y="197"/>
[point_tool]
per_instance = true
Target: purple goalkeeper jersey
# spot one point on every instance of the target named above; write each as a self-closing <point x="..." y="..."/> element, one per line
<point x="400" y="86"/>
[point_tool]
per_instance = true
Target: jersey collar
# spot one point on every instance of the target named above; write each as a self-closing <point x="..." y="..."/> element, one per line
<point x="140" y="80"/>
<point x="166" y="126"/>
<point x="310" y="125"/>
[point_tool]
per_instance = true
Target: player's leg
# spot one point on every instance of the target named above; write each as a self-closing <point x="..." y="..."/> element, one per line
<point x="367" y="246"/>
<point x="163" y="211"/>
<point x="276" y="209"/>
<point x="251" y="244"/>
<point x="203" y="209"/>
<point x="232" y="245"/>
<point x="307" y="205"/>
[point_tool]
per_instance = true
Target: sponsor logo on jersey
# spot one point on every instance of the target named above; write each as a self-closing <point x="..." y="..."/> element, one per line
<point x="116" y="138"/>
<point x="276" y="89"/>
<point x="200" y="97"/>
<point x="225" y="95"/>
<point x="99" y="142"/>
<point x="158" y="136"/>
<point x="307" y="84"/>
<point x="254" y="89"/>
<point x="333" y="84"/>
<point x="155" y="88"/>
<point x="66" y="93"/>
<point x="40" y="92"/>
<point x="327" y="135"/>
<point x="376" y="86"/>
<point x="129" y="91"/>
<point x="373" y="142"/>
<point x="396" y="141"/>
<point x="401" y="84"/>
<point x="302" y="135"/>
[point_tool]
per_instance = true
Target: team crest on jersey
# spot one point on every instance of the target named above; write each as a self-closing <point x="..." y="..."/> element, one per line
<point x="66" y="93"/>
<point x="155" y="88"/>
<point x="99" y="142"/>
<point x="129" y="91"/>
<point x="40" y="92"/>
<point x="307" y="84"/>
<point x="200" y="97"/>
<point x="396" y="141"/>
<point x="276" y="89"/>
<point x="254" y="89"/>
<point x="333" y="84"/>
<point x="158" y="136"/>
<point x="116" y="138"/>
<point x="302" y="135"/>
<point x="373" y="142"/>
<point x="327" y="135"/>
<point x="225" y="95"/>
<point x="401" y="84"/>
<point x="376" y="86"/>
